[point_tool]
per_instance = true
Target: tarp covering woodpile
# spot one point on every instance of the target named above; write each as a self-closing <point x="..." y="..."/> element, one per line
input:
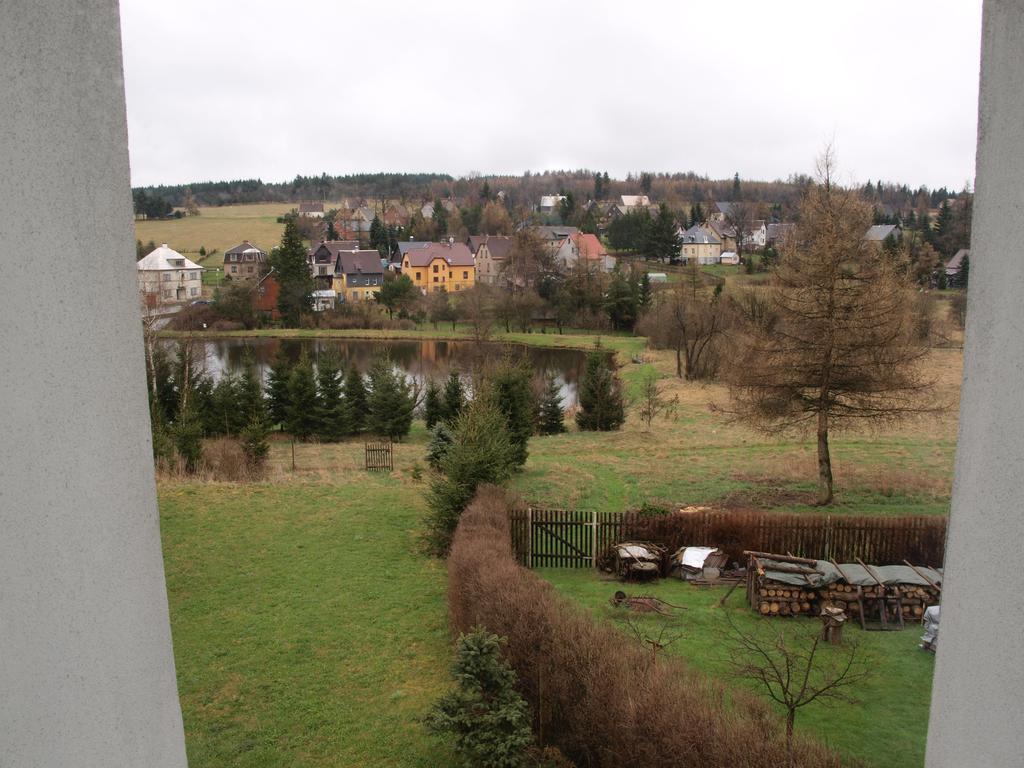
<point x="786" y="585"/>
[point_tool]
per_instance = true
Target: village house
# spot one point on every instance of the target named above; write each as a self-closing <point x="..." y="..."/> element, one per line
<point x="358" y="275"/>
<point x="585" y="249"/>
<point x="264" y="296"/>
<point x="701" y="245"/>
<point x="311" y="210"/>
<point x="324" y="256"/>
<point x="167" y="277"/>
<point x="726" y="233"/>
<point x="954" y="264"/>
<point x="324" y="299"/>
<point x="440" y="267"/>
<point x="550" y="203"/>
<point x="396" y="215"/>
<point x="720" y="211"/>
<point x="878" y="233"/>
<point x="244" y="262"/>
<point x="354" y="223"/>
<point x="777" y="234"/>
<point x="490" y="252"/>
<point x="554" y="234"/>
<point x="629" y="202"/>
<point x="757" y="235"/>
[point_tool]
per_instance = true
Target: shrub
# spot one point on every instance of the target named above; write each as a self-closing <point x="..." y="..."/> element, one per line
<point x="187" y="434"/>
<point x="255" y="444"/>
<point x="598" y="695"/>
<point x="225" y="458"/>
<point x="487" y="717"/>
<point x="510" y="390"/>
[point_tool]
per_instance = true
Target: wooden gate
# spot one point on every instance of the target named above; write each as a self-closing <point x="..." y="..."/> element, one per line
<point x="378" y="457"/>
<point x="560" y="538"/>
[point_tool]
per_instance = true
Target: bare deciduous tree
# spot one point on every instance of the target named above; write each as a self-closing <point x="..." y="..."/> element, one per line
<point x="476" y="307"/>
<point x="797" y="669"/>
<point x="688" y="320"/>
<point x="842" y="349"/>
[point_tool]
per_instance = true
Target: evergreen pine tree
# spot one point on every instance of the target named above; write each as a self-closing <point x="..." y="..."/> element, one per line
<point x="453" y="398"/>
<point x="662" y="240"/>
<point x="166" y="392"/>
<point x="440" y="440"/>
<point x="964" y="273"/>
<point x="510" y="392"/>
<point x="600" y="395"/>
<point x="187" y="434"/>
<point x="621" y="302"/>
<point x="332" y="416"/>
<point x="225" y="418"/>
<point x="486" y="716"/>
<point x="432" y="408"/>
<point x="551" y="417"/>
<point x="390" y="403"/>
<point x="645" y="291"/>
<point x="163" y="442"/>
<point x="293" y="278"/>
<point x="254" y="441"/>
<point x="302" y="400"/>
<point x="355" y="401"/>
<point x="251" y="403"/>
<point x="277" y="387"/>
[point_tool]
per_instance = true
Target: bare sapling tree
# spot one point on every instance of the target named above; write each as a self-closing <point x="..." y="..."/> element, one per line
<point x="476" y="306"/>
<point x="652" y="401"/>
<point x="658" y="638"/>
<point x="841" y="349"/>
<point x="795" y="667"/>
<point x="741" y="218"/>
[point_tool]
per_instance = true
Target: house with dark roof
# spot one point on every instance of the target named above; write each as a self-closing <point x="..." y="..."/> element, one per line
<point x="358" y="275"/>
<point x="490" y="252"/>
<point x="312" y="210"/>
<point x="954" y="264"/>
<point x="555" y="234"/>
<point x="777" y="234"/>
<point x="701" y="245"/>
<point x="720" y="211"/>
<point x="440" y="267"/>
<point x="322" y="258"/>
<point x="245" y="262"/>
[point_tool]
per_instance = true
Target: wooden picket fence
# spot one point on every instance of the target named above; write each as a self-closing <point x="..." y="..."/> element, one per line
<point x="378" y="457"/>
<point x="555" y="538"/>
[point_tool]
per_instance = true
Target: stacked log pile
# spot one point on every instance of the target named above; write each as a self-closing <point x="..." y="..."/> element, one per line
<point x="775" y="599"/>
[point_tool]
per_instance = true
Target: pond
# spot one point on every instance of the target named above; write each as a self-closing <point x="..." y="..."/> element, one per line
<point x="419" y="359"/>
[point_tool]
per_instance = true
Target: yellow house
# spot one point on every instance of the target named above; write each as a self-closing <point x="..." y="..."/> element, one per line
<point x="358" y="275"/>
<point x="440" y="267"/>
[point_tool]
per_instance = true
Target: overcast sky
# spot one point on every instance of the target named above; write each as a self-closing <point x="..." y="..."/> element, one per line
<point x="271" y="89"/>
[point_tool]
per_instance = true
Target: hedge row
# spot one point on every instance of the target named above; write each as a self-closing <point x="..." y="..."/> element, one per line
<point x="596" y="694"/>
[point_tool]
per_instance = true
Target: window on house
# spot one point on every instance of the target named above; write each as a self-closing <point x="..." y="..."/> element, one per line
<point x="435" y="268"/>
<point x="168" y="294"/>
<point x="435" y="279"/>
<point x="419" y="275"/>
<point x="166" y="276"/>
<point x="249" y="270"/>
<point x="465" y="275"/>
<point x="194" y="292"/>
<point x="234" y="269"/>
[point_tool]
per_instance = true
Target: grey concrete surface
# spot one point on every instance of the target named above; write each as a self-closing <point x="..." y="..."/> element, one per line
<point x="977" y="714"/>
<point x="86" y="666"/>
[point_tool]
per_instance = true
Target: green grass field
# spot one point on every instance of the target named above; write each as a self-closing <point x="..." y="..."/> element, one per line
<point x="309" y="629"/>
<point x="885" y="728"/>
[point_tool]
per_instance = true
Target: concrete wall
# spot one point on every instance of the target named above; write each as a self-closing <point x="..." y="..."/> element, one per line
<point x="86" y="668"/>
<point x="977" y="716"/>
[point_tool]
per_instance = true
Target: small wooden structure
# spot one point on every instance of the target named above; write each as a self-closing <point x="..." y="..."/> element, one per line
<point x="771" y="598"/>
<point x="378" y="457"/>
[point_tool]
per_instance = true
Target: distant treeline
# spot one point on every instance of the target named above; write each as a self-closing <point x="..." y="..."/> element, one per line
<point x="323" y="187"/>
<point x="777" y="198"/>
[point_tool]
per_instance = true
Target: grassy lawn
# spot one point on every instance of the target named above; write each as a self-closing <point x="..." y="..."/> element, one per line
<point x="308" y="630"/>
<point x="700" y="458"/>
<point x="887" y="726"/>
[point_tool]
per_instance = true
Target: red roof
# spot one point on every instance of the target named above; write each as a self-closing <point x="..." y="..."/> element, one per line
<point x="589" y="246"/>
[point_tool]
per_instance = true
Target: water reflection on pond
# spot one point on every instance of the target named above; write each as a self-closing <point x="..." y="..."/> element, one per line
<point x="419" y="359"/>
